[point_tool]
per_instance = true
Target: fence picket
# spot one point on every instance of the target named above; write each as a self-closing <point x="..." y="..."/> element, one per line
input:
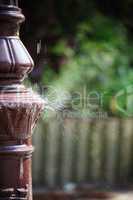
<point x="112" y="131"/>
<point x="96" y="149"/>
<point x="66" y="168"/>
<point x="83" y="150"/>
<point x="51" y="154"/>
<point x="127" y="129"/>
<point x="84" y="129"/>
<point x="37" y="155"/>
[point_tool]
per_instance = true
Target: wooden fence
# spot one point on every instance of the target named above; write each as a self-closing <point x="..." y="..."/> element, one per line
<point x="83" y="150"/>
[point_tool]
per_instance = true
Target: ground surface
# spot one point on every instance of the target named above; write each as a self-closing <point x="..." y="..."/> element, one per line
<point x="114" y="196"/>
<point x="124" y="196"/>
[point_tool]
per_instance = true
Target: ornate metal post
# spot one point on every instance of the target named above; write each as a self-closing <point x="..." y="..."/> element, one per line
<point x="19" y="108"/>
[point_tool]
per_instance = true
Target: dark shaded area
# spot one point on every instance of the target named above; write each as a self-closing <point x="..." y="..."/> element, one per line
<point x="49" y="20"/>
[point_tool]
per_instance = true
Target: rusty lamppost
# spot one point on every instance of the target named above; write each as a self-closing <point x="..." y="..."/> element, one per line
<point x="19" y="107"/>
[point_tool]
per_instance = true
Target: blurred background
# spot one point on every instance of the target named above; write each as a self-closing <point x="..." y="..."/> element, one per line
<point x="88" y="41"/>
<point x="84" y="69"/>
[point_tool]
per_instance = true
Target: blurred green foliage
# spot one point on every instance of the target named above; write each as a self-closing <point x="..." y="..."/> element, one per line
<point x="100" y="60"/>
<point x="89" y="44"/>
